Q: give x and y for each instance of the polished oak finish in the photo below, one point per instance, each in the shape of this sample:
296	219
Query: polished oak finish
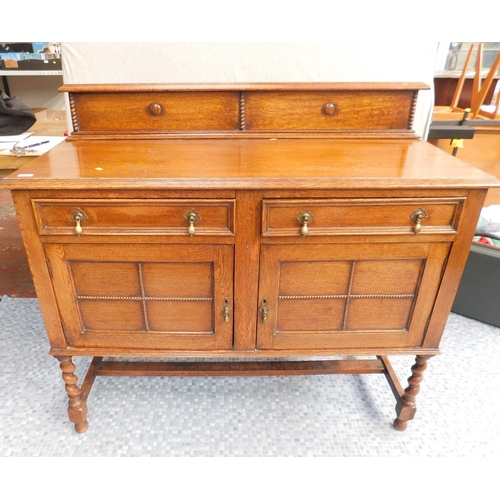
143	295
406	407
151	111
326	217
242	110
328	110
348	295
247	222
135	216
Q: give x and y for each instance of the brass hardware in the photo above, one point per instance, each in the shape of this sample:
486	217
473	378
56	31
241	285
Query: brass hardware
264	310
191	217
418	216
155	109
79	217
305	217
329	109
226	310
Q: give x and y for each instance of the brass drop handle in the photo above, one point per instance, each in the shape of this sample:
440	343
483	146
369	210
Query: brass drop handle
79	217
226	310
264	310
191	217
418	216
305	217
78	228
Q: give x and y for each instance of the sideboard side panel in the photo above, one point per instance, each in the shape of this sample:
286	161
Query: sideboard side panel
454	268
39	269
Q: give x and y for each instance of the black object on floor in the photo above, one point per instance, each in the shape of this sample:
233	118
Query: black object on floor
478	295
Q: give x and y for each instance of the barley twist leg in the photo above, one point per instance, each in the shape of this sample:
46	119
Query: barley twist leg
406	407
77	407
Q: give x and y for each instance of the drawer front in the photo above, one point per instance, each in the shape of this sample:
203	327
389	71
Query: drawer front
104	217
360	216
143	111
328	110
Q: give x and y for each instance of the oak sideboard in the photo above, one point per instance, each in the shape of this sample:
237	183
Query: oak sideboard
263	229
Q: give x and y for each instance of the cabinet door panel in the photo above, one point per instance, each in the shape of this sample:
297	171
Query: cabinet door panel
347	295
379	313
125	316
377	277
310	315
143	296
313	278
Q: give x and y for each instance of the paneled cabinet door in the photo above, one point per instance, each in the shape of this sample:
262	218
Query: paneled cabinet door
152	296
322	296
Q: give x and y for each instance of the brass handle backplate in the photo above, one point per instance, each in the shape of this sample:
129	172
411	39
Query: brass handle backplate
264	310
417	216
79	217
191	217
155	109
305	217
226	310
329	109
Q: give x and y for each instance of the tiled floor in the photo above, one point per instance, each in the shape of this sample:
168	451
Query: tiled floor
301	416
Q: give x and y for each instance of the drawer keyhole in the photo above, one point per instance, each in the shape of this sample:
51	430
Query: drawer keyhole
264	310
226	310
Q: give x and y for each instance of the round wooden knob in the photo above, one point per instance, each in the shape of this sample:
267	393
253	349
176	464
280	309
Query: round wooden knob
155	108
329	109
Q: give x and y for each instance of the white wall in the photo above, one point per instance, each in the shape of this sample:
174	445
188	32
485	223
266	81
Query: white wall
248	62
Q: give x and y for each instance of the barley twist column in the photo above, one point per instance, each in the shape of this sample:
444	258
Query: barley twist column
406	407
77	407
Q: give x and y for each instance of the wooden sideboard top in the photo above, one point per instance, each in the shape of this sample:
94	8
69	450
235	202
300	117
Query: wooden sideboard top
247	164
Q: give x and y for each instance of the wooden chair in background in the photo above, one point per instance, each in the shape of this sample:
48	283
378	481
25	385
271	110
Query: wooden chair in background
480	88
477	106
477	77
